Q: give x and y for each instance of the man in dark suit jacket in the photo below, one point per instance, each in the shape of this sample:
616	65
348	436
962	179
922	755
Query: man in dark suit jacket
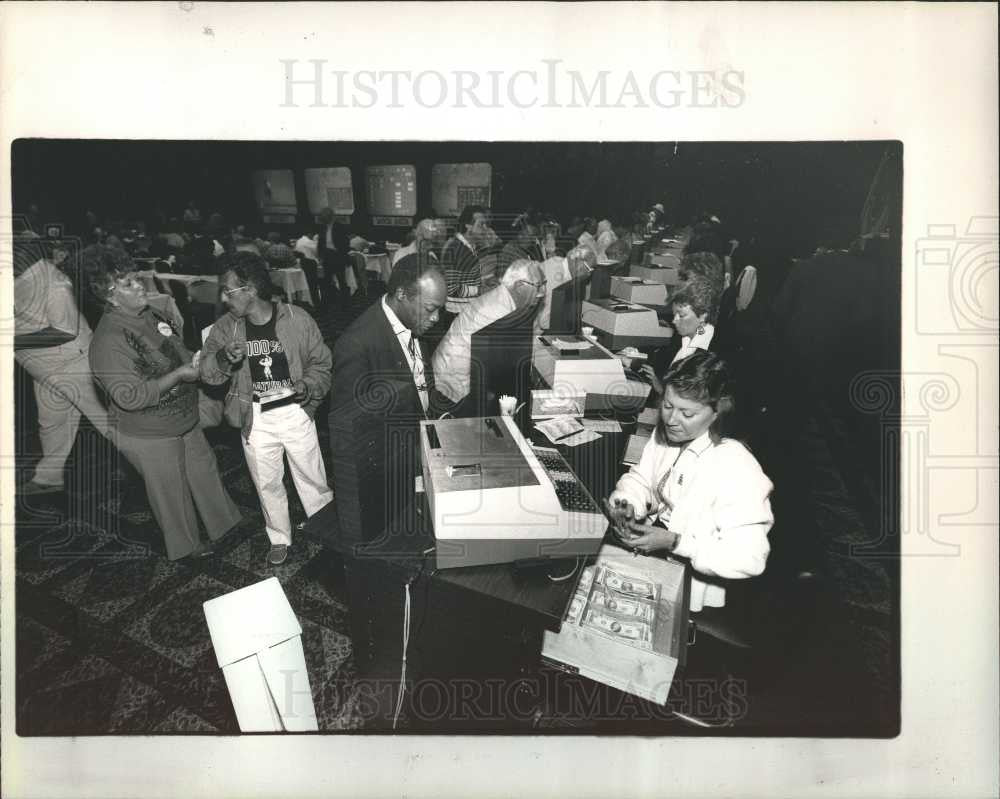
332	253
382	387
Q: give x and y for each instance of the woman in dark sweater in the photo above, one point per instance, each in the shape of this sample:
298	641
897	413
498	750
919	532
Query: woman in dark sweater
140	361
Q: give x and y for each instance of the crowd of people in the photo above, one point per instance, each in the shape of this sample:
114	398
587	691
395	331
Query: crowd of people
696	490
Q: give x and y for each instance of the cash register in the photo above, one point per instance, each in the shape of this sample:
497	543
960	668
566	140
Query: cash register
494	498
577	365
625	324
661	265
639	290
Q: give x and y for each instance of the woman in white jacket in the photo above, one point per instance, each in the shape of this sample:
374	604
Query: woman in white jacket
694	493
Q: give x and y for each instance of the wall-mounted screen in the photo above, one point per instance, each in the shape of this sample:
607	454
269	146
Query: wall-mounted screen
392	190
330	187
454	186
274	193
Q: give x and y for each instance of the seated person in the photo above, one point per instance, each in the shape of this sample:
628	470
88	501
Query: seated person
278	254
460	256
588	234
560	270
706	264
306	245
426	237
606	236
695	493
524	245
521	287
695	306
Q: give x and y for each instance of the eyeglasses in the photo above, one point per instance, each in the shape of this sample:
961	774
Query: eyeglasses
227	292
129	283
541	285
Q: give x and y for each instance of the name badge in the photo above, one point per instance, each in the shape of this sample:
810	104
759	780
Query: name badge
165	329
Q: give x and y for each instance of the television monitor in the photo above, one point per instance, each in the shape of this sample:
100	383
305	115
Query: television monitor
454	186
500	363
565	305
330	187
392	190
274	195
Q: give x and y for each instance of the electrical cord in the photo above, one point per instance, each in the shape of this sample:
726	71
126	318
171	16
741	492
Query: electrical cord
406	643
570	573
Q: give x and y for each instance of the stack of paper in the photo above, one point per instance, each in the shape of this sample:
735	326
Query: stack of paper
547	403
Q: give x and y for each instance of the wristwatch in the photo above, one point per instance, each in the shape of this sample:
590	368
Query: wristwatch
677	536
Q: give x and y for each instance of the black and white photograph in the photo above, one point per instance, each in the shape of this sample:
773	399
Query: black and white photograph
407	437
203	287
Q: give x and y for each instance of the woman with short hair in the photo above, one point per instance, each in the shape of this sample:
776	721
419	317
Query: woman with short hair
695	308
694	492
138	358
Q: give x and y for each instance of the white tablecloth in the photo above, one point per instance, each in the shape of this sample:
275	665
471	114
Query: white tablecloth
381	264
292	281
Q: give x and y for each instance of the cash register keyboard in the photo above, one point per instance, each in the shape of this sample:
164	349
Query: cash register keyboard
571	493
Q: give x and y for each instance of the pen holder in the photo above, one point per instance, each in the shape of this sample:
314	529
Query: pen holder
508	405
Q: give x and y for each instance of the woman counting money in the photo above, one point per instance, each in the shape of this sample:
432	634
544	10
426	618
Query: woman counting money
695	493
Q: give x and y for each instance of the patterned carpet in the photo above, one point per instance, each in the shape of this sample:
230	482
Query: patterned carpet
111	636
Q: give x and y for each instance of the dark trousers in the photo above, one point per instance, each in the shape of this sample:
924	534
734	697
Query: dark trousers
311	269
335	264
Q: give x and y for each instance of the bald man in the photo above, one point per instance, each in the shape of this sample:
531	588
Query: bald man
382	388
427	236
521	288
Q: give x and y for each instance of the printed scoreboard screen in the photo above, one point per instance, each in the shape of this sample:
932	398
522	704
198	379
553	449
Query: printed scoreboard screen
392	190
274	194
330	187
454	186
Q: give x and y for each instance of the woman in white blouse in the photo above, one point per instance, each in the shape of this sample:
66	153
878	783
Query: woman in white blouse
694	493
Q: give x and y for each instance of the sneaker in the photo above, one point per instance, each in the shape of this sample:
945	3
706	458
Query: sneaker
277	555
31	487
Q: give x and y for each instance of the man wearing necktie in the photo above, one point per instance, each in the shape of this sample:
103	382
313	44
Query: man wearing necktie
382	387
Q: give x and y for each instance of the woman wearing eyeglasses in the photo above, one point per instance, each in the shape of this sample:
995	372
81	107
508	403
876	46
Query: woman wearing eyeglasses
139	359
695	493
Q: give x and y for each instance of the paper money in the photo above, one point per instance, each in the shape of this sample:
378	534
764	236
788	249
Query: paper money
624	584
635	633
576	608
559	427
586	579
624	606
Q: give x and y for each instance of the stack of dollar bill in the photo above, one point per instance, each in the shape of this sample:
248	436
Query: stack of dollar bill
615	604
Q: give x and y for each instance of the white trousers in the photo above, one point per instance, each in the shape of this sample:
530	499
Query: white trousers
287	430
63	390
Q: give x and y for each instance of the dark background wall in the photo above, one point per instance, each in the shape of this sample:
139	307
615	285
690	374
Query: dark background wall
799	191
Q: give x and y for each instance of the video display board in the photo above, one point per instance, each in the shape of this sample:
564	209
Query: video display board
392	190
454	186
274	193
330	187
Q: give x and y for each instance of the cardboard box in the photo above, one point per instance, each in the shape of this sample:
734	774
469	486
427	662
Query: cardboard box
649	674
258	645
